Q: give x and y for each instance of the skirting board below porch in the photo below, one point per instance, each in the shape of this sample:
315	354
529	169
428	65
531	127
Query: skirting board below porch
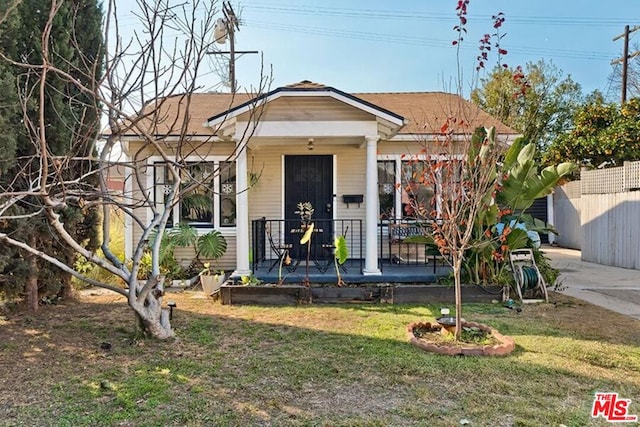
372	294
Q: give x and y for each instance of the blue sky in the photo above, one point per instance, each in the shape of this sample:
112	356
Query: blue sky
405	45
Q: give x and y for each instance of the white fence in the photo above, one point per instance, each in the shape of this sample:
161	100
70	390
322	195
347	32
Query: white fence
600	214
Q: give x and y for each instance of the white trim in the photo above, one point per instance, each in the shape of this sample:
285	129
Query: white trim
152	160
150	186
303	93
282	186
198	137
243	266
398	159
313	128
372	208
505	138
406	157
550	217
334	190
334	187
128	220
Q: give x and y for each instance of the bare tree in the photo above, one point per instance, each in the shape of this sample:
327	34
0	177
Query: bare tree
466	166
146	93
459	167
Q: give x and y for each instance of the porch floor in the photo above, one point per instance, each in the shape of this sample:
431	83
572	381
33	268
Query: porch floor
351	274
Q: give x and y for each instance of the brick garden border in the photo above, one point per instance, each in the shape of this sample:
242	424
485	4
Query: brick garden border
507	344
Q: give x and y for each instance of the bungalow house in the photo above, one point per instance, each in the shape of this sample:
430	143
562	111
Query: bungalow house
347	154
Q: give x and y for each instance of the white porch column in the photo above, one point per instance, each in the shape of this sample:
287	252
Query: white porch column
371	208
242	213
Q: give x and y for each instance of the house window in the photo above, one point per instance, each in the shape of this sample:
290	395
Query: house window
417	197
404	190
227	194
210	197
387	188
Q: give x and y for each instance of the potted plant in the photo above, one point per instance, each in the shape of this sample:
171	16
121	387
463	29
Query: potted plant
210	279
305	211
211	246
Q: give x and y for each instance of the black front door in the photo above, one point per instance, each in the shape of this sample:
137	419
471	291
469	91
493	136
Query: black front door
310	179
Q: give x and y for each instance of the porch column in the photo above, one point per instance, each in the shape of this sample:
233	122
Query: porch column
242	212
371	208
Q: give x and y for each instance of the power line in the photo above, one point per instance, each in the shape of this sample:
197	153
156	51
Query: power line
625	58
416	41
232	25
290	9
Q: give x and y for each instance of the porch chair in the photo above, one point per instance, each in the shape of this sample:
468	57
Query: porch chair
281	250
527	275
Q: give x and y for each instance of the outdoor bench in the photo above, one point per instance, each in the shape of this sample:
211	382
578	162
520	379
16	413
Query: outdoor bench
409	244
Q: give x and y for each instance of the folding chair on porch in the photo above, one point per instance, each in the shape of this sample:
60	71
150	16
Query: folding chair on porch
528	278
281	250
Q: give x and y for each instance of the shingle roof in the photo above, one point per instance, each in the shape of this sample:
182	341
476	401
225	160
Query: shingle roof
424	112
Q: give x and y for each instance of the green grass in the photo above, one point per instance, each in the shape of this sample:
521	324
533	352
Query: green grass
329	366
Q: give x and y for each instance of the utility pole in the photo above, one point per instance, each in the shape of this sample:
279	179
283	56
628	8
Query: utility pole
232	25
625	58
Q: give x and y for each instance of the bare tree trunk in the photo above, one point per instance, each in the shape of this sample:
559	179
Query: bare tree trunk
66	291
457	266
151	318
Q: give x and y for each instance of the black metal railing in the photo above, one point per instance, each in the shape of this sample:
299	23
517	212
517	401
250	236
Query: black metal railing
396	247
276	243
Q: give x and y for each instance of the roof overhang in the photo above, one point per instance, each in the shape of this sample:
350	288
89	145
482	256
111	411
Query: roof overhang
387	122
507	139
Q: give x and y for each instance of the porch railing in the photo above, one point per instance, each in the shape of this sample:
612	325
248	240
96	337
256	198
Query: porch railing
394	249
276	241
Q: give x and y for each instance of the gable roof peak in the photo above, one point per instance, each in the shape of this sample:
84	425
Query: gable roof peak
306	84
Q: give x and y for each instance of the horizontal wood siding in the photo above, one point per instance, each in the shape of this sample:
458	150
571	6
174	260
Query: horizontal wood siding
227	262
265	198
310	108
352	179
197	150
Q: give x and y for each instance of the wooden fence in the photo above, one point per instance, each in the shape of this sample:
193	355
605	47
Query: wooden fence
600	214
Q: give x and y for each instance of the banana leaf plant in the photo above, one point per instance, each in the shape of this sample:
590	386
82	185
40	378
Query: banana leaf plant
518	185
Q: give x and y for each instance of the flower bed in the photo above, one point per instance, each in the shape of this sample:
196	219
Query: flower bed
428	337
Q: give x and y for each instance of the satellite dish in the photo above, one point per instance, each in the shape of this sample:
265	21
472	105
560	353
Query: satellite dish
220	31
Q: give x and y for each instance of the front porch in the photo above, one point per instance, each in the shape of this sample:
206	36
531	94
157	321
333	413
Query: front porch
278	255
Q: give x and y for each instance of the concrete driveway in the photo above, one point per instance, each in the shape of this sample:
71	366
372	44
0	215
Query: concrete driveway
617	289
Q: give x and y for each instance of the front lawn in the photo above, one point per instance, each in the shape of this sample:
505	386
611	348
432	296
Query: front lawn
78	364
